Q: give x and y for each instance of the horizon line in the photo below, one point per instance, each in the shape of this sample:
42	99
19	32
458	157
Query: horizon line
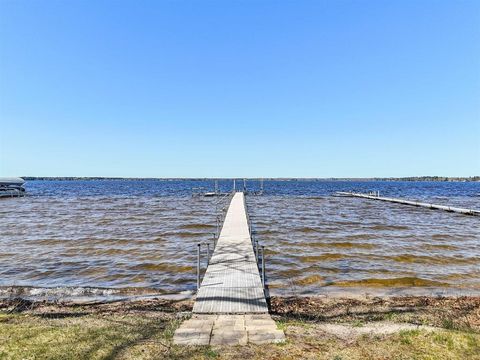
472	177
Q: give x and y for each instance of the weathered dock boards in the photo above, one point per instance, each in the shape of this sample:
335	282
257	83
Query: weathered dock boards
413	203
230	308
232	283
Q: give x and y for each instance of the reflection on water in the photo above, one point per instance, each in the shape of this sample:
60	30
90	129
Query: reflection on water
117	234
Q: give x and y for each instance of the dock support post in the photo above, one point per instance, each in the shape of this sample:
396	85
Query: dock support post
198	266
208	253
263	266
256	251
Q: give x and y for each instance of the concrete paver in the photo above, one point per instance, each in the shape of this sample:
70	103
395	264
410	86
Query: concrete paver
228	330
229	337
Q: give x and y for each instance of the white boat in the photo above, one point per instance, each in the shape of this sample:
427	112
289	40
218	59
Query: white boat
12	187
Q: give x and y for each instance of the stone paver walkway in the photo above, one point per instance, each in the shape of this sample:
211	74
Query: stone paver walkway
228	330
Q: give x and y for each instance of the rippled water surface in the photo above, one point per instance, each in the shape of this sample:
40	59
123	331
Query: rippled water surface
143	234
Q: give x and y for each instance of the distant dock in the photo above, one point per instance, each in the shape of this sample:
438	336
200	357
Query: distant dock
201	191
376	196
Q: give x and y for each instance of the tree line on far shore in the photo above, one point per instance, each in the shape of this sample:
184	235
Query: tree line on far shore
410	178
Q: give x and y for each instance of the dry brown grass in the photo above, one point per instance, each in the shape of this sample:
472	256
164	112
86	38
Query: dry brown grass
144	329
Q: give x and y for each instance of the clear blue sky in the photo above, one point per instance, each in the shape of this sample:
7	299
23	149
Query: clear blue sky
239	88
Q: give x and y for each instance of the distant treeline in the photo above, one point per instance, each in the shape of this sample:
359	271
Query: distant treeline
432	178
411	178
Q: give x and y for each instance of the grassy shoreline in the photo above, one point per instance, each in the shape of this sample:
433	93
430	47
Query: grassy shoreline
316	328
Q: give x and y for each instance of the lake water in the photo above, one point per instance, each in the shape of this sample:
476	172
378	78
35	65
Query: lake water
141	235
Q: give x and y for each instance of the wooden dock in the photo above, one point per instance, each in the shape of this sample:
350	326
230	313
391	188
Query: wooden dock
230	307
232	283
412	203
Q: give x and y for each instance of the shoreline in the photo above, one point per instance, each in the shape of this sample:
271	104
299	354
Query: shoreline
313	308
86	295
315	328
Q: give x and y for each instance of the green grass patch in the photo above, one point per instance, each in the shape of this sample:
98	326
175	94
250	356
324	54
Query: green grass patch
281	325
358	323
211	354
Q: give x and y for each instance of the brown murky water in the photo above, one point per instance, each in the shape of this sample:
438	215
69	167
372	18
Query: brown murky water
145	241
323	241
103	241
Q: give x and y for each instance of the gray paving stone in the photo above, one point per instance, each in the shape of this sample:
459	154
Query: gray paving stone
228	330
259	329
198	341
224	323
260	322
257	317
229	337
266	337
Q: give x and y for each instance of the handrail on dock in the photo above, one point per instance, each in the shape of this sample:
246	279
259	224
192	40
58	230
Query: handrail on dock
220	218
260	259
